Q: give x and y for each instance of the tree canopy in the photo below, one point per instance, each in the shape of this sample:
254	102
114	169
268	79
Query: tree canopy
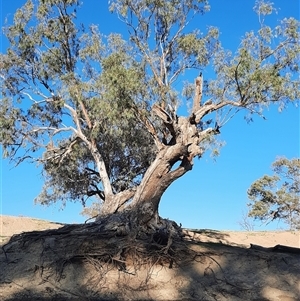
100	113
277	197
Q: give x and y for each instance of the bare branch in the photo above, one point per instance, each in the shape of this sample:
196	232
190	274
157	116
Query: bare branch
208	108
68	150
198	93
30	97
161	113
94	151
242	96
149	126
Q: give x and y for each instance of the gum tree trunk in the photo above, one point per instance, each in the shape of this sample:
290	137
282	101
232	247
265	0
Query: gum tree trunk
144	201
185	137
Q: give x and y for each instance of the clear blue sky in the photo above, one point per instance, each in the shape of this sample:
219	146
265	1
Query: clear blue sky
213	195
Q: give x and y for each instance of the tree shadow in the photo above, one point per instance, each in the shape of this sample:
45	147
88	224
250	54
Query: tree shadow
212	235
52	265
237	273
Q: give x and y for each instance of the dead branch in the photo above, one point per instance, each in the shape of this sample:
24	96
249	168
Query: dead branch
198	93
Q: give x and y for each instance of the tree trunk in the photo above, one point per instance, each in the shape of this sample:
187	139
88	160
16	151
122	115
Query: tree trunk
143	208
156	180
142	203
183	145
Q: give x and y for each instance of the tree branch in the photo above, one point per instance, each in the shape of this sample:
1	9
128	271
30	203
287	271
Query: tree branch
94	152
198	93
149	126
238	84
161	113
209	107
124	196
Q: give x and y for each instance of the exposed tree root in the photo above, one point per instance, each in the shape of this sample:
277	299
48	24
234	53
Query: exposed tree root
98	261
110	240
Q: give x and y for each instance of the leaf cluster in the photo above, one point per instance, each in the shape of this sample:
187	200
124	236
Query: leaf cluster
260	73
73	99
159	32
278	196
58	80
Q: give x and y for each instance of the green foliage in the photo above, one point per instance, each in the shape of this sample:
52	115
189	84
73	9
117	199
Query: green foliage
259	73
46	96
80	104
278	196
174	50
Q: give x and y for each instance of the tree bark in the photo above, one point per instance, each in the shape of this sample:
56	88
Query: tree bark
183	145
144	200
160	174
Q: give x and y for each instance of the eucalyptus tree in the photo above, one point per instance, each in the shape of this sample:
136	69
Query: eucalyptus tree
277	197
100	112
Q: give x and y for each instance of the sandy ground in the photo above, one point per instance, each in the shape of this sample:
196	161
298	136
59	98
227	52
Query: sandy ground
223	268
10	225
245	238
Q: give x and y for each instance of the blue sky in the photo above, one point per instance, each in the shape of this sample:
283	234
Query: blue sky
214	194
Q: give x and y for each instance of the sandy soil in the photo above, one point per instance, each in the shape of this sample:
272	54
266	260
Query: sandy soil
245	238
223	268
10	225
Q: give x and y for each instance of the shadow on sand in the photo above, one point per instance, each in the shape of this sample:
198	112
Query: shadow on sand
58	267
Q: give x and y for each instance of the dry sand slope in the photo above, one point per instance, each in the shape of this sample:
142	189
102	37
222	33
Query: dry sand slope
222	267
